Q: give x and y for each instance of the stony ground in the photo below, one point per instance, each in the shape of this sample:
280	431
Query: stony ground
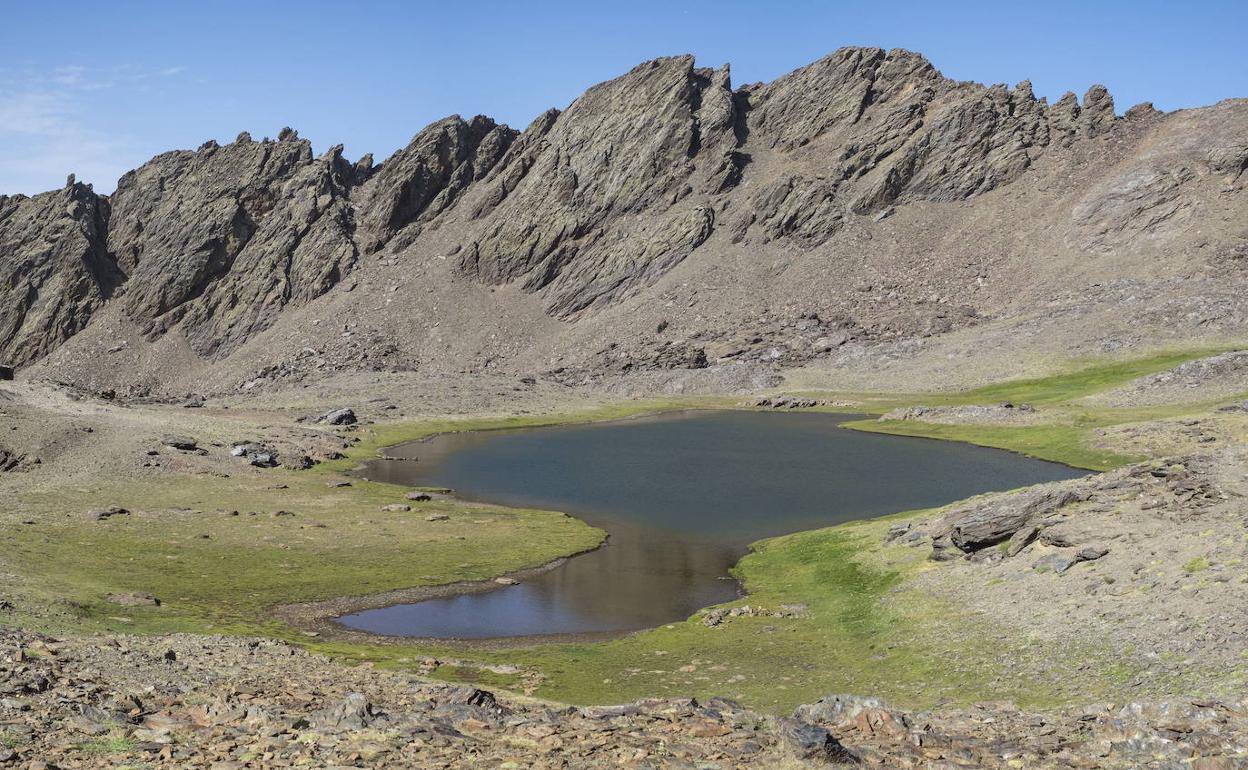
1148	564
1143	567
230	703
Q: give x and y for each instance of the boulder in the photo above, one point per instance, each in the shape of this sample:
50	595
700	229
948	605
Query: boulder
263	459
100	514
6	373
993	520
1091	553
185	443
837	710
355	712
809	742
420	497
338	417
298	462
1062	562
396	508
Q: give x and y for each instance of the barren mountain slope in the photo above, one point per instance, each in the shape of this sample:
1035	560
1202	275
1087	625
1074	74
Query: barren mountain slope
666	229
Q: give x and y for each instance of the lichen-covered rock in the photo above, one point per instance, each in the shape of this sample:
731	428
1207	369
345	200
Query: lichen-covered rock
590	206
225	237
55	270
427	177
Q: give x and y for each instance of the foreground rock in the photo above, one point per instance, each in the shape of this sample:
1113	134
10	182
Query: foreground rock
1145	559
338	417
225	703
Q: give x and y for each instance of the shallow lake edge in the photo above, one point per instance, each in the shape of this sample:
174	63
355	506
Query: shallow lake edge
320	619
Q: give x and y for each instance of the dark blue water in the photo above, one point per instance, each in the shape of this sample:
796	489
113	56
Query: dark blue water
682	495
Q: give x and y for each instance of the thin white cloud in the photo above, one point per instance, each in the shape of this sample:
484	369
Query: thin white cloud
68	76
34	112
46	133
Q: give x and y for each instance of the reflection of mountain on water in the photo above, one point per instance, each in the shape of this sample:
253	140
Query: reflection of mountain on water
640	580
681	495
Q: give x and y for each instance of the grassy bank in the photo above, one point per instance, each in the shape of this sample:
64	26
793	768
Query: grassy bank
862	627
858	629
1069	431
218	571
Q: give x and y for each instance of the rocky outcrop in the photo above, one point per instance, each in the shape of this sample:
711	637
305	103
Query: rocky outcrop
300	250
591	205
996	519
427	177
54	269
224	237
886	127
595	201
1151	197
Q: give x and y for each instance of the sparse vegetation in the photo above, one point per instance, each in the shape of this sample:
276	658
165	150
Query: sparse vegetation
1199	564
337	544
114	743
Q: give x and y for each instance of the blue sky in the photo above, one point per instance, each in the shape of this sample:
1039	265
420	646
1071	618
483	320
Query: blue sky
97	88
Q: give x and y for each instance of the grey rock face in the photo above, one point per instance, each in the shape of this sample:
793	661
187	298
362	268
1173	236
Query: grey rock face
587	206
225	237
590	203
982	524
299	250
54	269
427	177
1149	198
888	127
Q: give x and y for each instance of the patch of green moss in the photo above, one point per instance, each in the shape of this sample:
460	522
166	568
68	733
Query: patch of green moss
1199	564
114	743
8	740
859	628
218	572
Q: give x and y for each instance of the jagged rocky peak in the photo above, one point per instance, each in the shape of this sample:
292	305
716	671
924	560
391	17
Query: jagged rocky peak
835	92
596	201
226	236
298	250
54	268
179	220
427	177
585	207
867	129
1097	112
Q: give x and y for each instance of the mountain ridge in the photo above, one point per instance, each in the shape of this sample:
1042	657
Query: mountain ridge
597	204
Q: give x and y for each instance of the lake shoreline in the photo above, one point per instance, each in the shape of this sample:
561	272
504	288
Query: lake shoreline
811	437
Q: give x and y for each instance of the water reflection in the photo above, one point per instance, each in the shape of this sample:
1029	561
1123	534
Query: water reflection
681	496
